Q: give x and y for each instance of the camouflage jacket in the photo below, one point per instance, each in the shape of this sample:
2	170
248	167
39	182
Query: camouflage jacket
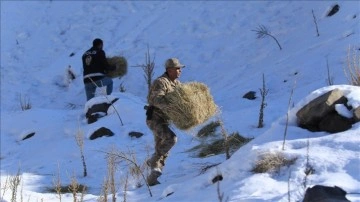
159	88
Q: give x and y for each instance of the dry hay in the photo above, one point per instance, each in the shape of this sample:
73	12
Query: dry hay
189	105
121	66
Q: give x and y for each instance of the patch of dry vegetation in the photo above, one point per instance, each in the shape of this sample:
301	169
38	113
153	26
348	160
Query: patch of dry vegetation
272	162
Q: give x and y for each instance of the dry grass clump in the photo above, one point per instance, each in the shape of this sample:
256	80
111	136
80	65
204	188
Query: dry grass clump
189	105
272	162
206	149
121	65
209	129
66	188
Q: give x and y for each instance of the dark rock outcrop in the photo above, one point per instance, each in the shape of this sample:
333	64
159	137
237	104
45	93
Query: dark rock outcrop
320	114
251	95
335	8
135	134
320	193
28	135
101	132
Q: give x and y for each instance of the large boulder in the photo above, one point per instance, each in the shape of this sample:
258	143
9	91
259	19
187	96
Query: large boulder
320	193
320	114
101	132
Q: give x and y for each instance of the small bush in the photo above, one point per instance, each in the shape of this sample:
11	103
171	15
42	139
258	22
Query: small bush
66	189
262	32
148	68
235	141
272	162
209	129
25	103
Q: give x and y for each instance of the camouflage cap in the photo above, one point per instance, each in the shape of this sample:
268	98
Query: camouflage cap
173	63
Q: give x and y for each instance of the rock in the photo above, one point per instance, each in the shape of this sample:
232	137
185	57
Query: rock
320	193
311	114
333	10
217	178
135	134
334	123
28	136
251	95
101	132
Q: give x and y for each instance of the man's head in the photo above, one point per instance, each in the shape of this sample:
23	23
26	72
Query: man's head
97	43
173	68
173	63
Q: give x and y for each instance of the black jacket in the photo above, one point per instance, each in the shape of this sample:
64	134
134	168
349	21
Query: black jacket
95	64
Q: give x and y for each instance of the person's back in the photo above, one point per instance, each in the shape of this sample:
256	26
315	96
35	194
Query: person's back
94	62
95	66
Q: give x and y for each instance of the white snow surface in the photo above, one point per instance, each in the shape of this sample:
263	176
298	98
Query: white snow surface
217	43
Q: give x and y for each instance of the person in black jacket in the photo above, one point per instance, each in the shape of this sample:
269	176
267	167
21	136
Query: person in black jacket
95	67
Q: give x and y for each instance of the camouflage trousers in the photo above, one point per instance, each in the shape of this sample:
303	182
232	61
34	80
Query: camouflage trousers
164	139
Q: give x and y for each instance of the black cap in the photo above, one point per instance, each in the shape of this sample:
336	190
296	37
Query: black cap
97	42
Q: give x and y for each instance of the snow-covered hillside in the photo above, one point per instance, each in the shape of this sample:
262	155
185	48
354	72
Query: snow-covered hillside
217	43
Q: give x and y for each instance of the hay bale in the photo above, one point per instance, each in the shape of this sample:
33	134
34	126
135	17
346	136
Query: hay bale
189	105
120	64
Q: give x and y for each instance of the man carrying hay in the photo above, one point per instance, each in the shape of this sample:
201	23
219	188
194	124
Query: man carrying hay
95	67
156	119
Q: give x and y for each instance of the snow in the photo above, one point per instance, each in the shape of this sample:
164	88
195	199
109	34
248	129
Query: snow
214	39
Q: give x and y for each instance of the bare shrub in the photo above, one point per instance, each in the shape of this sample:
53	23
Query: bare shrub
272	162
330	79
262	32
104	190
126	184
148	68
289	188
122	88
206	166
74	187
25	103
14	185
315	21
5	186
352	70
111	167
57	184
263	91
135	168
309	169
69	76
220	194
226	139
287	116
79	137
